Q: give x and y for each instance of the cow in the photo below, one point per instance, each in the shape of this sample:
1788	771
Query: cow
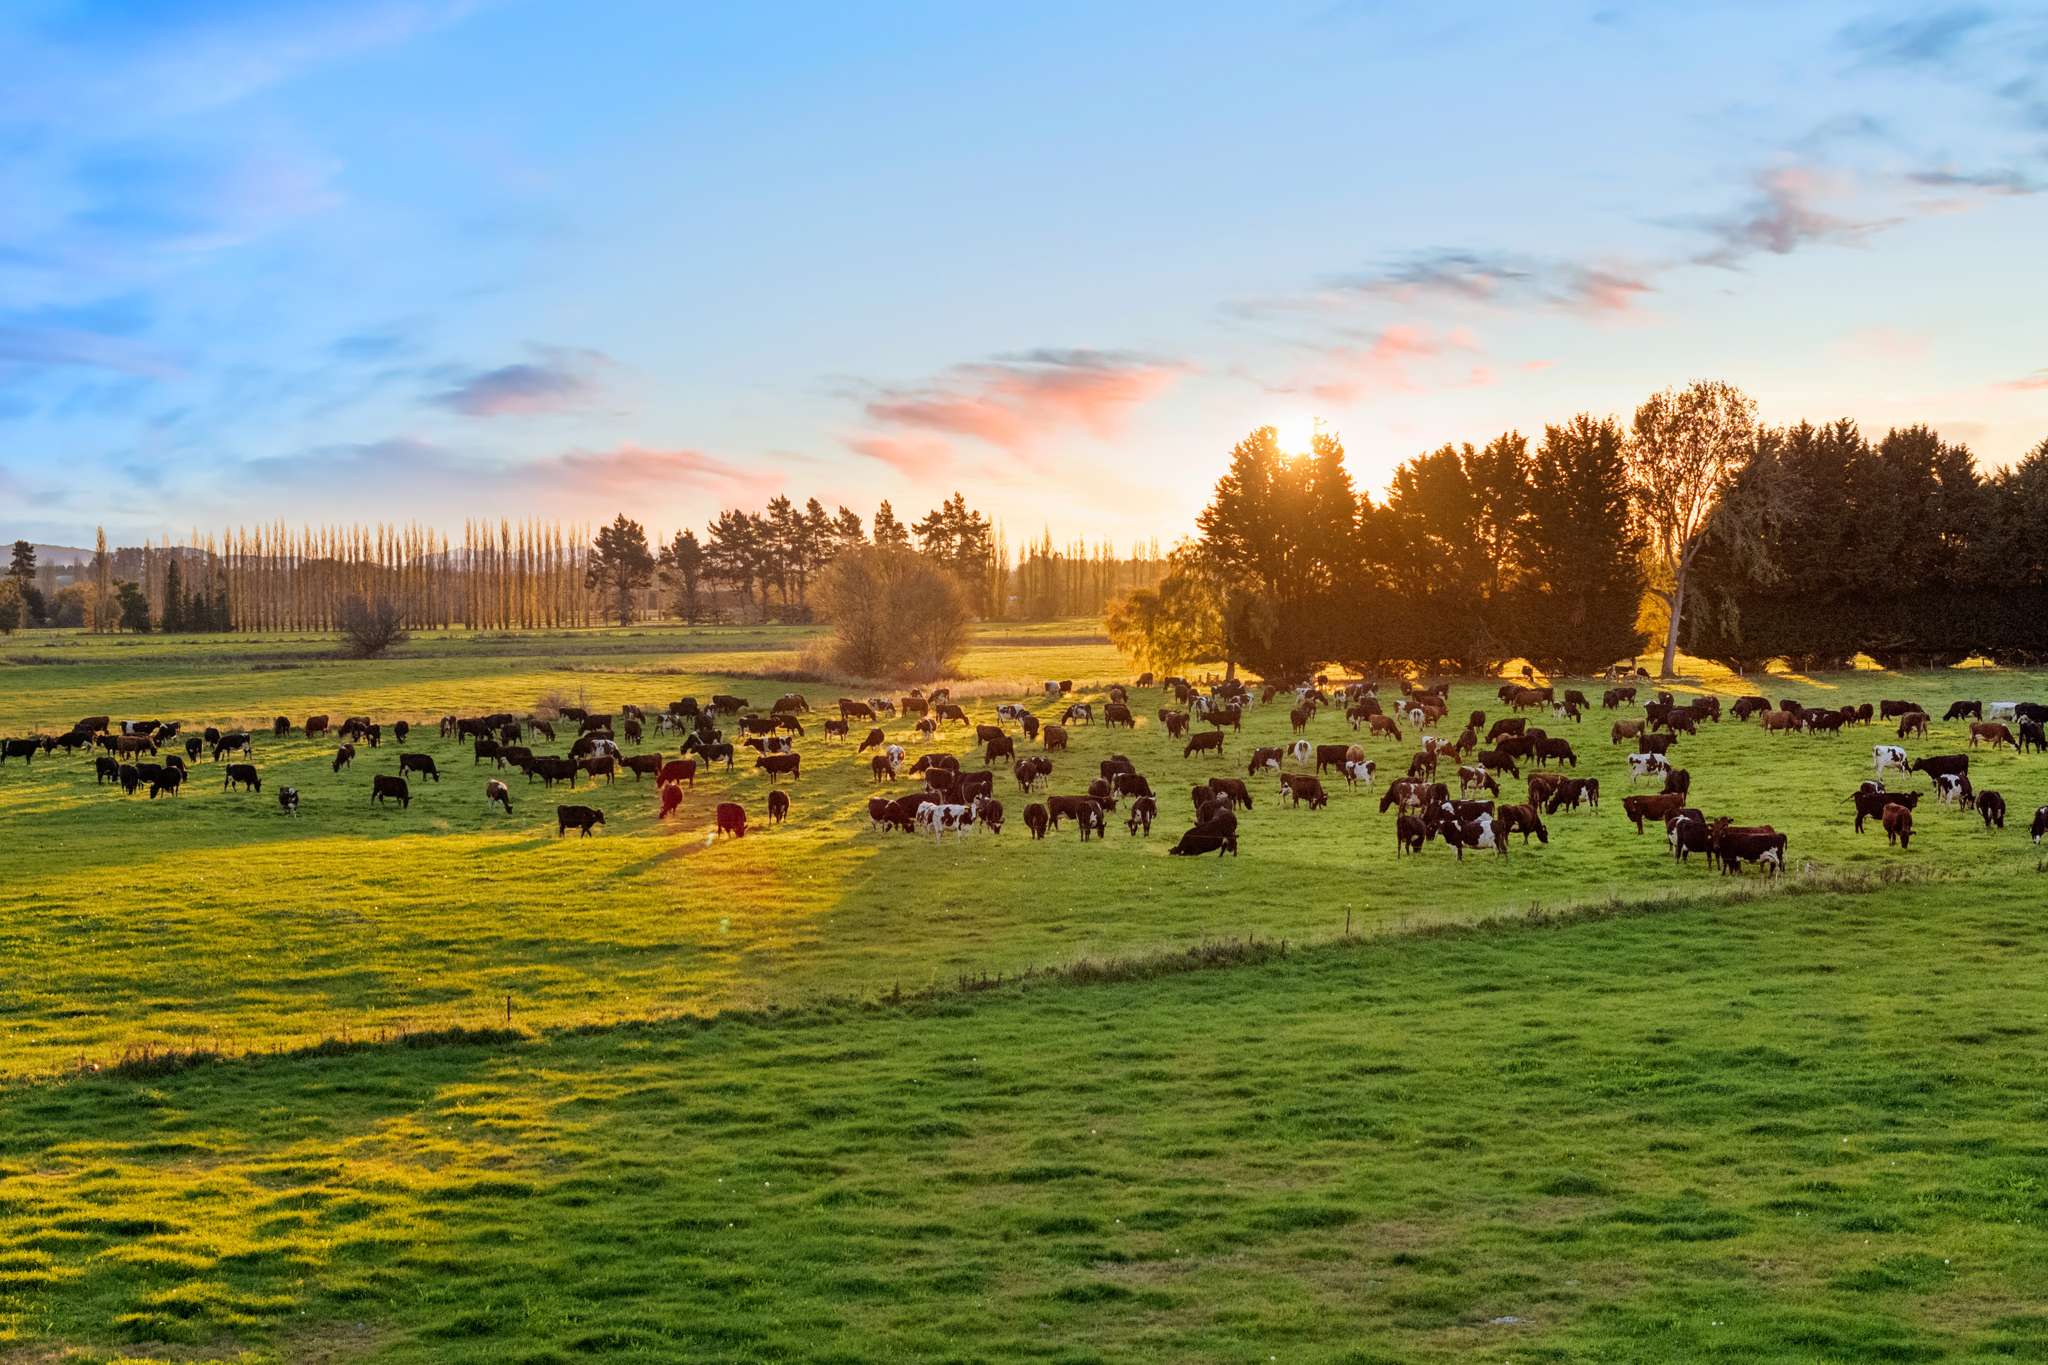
243	774
423	764
1561	750
1913	725
777	764
1871	804
1641	808
580	818
1296	788
1522	820
1234	788
1883	756
1476	833
1940	766
1144	810
1053	737
1209	742
383	785
1889	710
496	793
1036	818
1132	784
167	777
1760	845
1898	827
105	770
1357	770
1383	725
875	739
1779	722
1176	722
2034	736
1624	729
1498	761
1991	805
1336	755
778	806
1678	780
1117	713
677	771
1953	789
1410	834
1474	777
1573	792
1510	725
401	729
2040	824
1959	710
1220	716
1199	841
1993	733
1647	765
711	753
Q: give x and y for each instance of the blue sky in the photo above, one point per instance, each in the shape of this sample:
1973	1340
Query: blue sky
434	259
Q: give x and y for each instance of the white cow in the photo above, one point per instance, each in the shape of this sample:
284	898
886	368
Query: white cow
1953	789
1647	765
894	753
2001	710
1884	756
1302	752
1356	771
937	819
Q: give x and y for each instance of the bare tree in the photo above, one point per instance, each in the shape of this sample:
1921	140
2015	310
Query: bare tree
371	626
1688	445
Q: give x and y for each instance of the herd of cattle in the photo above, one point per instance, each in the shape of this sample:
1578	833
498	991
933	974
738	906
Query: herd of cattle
1449	790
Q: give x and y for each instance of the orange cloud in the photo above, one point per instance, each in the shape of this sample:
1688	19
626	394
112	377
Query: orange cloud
1016	403
915	457
2037	380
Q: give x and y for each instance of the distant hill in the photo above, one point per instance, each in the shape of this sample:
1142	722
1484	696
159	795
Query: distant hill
62	556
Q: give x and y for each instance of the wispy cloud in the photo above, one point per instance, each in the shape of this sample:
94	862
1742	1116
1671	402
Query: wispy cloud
1921	38
1017	402
557	380
2027	383
1791	207
1501	278
913	456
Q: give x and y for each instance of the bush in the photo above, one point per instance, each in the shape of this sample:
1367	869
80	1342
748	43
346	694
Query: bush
371	626
895	615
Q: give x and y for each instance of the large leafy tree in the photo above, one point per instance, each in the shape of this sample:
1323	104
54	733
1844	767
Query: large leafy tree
889	532
733	553
1583	547
620	563
961	540
682	570
1688	447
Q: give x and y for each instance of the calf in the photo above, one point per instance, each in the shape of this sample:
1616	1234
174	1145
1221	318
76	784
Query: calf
1993	733
1871	804
1898	827
243	774
1991	805
383	785
2040	823
580	818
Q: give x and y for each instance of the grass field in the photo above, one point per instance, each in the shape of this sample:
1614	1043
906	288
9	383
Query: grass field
1641	1112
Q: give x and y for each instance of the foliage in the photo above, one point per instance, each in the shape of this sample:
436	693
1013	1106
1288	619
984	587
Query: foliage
893	614
1688	447
133	605
1164	629
960	540
620	563
682	570
371	627
13	611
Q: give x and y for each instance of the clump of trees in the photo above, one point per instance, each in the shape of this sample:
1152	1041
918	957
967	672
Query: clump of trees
895	614
1477	555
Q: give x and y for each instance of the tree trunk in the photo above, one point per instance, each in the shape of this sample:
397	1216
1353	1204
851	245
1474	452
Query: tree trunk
1671	630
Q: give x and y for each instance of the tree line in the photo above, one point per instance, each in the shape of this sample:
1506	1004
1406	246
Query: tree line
1752	542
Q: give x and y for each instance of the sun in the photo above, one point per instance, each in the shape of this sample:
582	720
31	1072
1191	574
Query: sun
1295	432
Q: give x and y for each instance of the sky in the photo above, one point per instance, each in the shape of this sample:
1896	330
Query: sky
427	260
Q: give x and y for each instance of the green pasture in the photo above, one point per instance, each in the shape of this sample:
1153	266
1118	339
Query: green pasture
827	1094
213	920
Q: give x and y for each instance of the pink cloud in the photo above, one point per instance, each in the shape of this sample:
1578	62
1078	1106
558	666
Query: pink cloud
634	470
1016	403
913	456
1349	373
2037	380
1536	366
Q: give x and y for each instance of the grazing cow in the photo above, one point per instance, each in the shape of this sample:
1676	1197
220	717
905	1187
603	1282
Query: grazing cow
1993	733
1209	742
2040	824
711	753
1144	811
281	727
678	771
1572	792
1871	804
1336	755
423	764
344	756
1295	788
1884	756
1476	833
1036	818
1176	722
1197	842
1678	780
580	818
1410	834
1913	724
1522	820
192	748
487	748
1888	710
105	770
243	774
1940	766
1474	777
2033	735
1131	784
1053	737
603	765
1624	729
1548	749
1641	808
1646	765
1655	744
1541	785
1266	757
1004	747
2002	710
383	785
1991	805
972	785
672	798
1760	845
777	764
1299	718
837	729
401	729
1383	725
1953	789
496	793
1898	827
1752	705
1498	761
1958	710
1779	722
165	778
1117	713
875	739
1357	770
1233	788
288	800
1510	725
1068	808
778	806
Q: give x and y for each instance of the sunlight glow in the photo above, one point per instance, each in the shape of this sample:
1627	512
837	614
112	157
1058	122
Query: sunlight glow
1296	431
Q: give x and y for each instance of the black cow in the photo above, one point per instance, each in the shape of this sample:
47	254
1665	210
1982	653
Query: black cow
582	818
423	764
243	774
384	785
